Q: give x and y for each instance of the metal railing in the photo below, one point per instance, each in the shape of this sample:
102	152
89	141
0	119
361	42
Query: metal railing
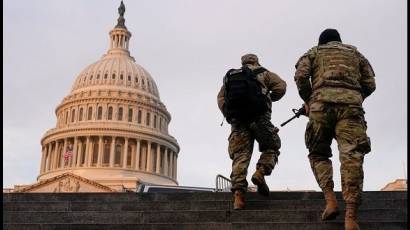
222	184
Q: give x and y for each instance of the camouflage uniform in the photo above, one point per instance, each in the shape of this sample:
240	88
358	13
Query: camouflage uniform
334	79
243	135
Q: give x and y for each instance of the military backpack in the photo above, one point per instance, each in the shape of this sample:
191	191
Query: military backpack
244	100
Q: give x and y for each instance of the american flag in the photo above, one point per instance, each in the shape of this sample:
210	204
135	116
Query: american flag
67	155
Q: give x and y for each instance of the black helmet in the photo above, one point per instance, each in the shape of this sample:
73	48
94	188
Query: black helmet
329	35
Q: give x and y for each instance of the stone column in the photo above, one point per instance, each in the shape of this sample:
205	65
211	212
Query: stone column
124	160
48	161
166	161
64	150
125	107
171	164
80	153
176	166
100	151
43	156
174	162
158	167
55	161
143	114
87	152
137	155
132	156
49	156
51	164
68	119
75	152
112	152
149	163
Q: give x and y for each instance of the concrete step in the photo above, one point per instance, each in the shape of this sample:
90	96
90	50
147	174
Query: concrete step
190	205
99	197
129	217
210	226
194	211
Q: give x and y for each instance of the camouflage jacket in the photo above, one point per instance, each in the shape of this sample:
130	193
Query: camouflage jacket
334	72
270	82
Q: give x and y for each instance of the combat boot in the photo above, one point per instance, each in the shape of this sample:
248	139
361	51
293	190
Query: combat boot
331	210
351	217
238	200
259	180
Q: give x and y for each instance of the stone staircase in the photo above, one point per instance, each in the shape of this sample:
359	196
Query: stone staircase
197	211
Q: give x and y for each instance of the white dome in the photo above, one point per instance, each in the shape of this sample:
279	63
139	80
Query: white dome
118	72
113	123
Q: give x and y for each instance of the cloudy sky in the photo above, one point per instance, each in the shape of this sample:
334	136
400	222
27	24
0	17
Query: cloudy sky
187	46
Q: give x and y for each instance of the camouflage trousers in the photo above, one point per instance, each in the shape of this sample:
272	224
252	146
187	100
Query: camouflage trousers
347	125
241	143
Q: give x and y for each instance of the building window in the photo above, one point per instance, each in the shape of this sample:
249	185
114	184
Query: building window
98	76
83	154
143	82
160	123
69	149
121	77
155	121
95	154
139	116
147	122
120	111
129	115
161	163
105	76
154	158
136	79
90	113
106	155
110	113
66	117
117	156
129	78
113	76
73	115
99	113
91	77
129	152
80	115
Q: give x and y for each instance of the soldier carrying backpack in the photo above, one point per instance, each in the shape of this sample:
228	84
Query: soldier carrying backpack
245	99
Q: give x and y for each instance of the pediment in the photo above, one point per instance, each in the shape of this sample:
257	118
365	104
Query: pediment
67	182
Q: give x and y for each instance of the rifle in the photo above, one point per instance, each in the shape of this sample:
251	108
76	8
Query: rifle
297	113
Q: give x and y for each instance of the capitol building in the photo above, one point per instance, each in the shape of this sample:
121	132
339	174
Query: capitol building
112	128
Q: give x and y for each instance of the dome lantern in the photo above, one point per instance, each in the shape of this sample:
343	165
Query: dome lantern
120	36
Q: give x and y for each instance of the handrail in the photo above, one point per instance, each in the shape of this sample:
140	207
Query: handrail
222	184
